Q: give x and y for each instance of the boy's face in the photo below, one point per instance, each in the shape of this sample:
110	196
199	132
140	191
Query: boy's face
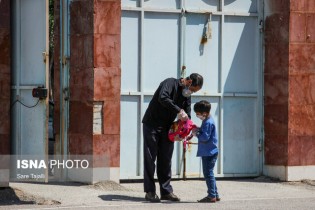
202	114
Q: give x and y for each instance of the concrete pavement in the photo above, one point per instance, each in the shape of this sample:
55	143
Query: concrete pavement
259	193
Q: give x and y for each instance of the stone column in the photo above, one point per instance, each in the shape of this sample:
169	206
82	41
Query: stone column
301	134
95	84
5	89
289	107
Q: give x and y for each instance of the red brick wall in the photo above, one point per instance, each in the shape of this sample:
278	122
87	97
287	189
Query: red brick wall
5	77
276	83
94	77
301	142
81	77
107	76
290	83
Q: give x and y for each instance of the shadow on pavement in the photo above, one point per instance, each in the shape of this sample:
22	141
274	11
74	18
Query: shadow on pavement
8	196
135	199
120	198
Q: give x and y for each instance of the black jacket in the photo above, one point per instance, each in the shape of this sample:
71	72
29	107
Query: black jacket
167	101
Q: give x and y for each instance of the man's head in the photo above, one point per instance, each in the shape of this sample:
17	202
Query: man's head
194	82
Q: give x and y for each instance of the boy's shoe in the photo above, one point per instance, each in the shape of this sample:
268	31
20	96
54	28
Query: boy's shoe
170	197
152	197
218	198
208	200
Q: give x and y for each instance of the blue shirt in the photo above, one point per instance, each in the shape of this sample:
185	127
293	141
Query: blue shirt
207	138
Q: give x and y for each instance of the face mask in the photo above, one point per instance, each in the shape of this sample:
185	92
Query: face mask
186	92
201	117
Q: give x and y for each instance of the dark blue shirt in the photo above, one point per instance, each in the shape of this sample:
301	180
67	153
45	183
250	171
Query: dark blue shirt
207	138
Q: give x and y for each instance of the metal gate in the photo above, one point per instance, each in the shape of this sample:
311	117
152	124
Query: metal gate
30	70
159	37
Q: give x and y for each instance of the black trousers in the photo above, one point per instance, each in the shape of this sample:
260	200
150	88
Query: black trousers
157	147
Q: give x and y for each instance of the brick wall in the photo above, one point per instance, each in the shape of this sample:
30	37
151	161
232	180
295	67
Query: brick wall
5	88
301	141
289	83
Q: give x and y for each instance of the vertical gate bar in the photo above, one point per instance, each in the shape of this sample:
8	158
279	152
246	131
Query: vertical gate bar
182	36
181	72
61	83
18	73
260	10
221	90
47	86
141	89
64	67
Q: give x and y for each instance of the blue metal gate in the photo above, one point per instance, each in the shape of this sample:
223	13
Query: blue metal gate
159	37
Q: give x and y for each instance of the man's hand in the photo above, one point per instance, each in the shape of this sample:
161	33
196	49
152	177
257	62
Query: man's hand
177	138
182	115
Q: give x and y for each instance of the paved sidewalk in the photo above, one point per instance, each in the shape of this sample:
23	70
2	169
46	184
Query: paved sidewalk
259	193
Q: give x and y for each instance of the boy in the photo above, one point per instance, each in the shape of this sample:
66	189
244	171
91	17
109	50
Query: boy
207	148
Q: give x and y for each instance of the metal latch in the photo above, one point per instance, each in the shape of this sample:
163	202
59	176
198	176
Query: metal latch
45	55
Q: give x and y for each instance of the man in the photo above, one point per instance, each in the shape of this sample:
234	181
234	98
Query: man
171	99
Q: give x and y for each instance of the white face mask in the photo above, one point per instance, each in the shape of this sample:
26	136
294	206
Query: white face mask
186	92
201	117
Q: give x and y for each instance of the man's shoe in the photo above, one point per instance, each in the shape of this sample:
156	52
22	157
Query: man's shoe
208	200
170	197
152	197
218	198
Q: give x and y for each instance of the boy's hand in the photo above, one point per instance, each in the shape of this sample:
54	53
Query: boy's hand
194	131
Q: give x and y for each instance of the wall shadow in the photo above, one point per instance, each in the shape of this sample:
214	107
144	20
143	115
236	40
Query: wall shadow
8	196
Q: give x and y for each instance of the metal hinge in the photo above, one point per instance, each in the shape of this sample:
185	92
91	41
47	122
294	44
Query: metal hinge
65	59
66	94
260	145
261	26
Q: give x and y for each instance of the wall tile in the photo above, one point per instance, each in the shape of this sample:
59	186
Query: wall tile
81	118
81	51
297	27
276	89
277	28
106	83
302	89
278	6
310	5
302	120
301	57
111	116
5	85
107	50
80	144
276	59
301	150
276	119
310	27
4	144
108	145
297	5
5	46
81	13
107	18
4	6
276	147
81	84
